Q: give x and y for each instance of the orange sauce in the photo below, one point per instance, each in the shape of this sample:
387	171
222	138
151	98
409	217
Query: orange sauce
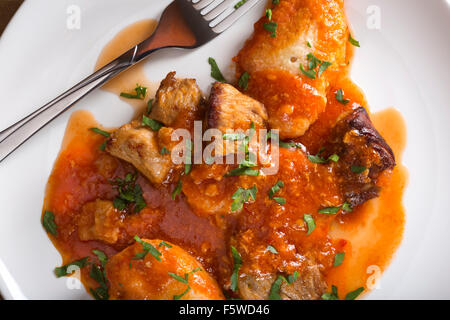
375	230
369	236
127	80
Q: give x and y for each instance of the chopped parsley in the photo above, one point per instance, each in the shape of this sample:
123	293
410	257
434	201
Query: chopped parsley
271	249
152	124
177	190
164	151
276	286
243	81
242	171
188	158
308	44
277	187
103	133
98	274
239	4
48	221
338	259
233	136
318	159
237	262
340	97
333	210
163	243
102	257
308	218
148	248
140	93
269	14
99	131
280	200
241	196
333	295
66	270
329	210
358	169
130	194
353	41
354	294
272	28
313	63
215	71
275	1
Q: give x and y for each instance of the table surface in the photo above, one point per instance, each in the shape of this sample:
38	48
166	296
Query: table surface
7	10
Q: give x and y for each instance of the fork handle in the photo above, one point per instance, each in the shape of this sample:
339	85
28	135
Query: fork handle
12	137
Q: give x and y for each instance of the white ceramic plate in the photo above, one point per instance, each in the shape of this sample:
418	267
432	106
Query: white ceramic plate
405	63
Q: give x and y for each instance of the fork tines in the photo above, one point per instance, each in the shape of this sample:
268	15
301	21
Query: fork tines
221	14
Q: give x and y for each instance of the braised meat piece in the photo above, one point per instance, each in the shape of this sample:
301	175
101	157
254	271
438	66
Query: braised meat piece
99	220
231	109
178	102
310	285
363	153
141	147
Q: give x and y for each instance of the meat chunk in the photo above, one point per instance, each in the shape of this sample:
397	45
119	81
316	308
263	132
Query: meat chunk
308	32
363	153
99	220
140	146
310	285
154	277
230	109
178	102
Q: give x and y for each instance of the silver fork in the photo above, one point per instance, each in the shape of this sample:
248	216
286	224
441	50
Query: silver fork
184	24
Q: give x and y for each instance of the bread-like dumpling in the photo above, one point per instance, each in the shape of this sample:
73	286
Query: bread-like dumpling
158	270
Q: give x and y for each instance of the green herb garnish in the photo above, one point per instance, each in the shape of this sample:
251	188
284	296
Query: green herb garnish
354	294
215	71
243	81
177	190
63	271
329	210
241	196
353	41
140	93
152	124
340	97
188	158
271	249
333	295
148	248
130	193
358	169
163	243
237	261
272	28
164	151
313	63
338	259
269	14
239	4
48	221
308	218
99	131
277	187
280	200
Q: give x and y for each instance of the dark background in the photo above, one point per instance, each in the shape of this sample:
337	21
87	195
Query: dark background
7	10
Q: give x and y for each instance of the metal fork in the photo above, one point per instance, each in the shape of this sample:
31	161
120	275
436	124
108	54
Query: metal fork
184	24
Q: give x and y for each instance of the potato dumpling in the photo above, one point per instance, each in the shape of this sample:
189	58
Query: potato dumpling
158	270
